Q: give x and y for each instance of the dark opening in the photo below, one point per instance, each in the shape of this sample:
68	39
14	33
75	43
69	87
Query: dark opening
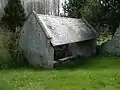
62	51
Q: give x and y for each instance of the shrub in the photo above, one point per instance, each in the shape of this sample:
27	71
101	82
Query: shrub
14	15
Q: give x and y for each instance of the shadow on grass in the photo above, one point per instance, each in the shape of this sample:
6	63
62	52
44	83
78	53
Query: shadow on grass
72	64
95	63
78	62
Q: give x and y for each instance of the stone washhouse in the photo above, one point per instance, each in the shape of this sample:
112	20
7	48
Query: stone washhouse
45	39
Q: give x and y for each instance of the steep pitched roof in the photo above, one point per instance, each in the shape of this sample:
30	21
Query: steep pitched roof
62	30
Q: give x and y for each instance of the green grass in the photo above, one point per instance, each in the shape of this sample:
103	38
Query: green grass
98	73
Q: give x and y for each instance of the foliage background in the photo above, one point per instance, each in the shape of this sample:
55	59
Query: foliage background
103	15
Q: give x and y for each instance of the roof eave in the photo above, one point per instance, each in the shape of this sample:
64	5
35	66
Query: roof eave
54	45
90	26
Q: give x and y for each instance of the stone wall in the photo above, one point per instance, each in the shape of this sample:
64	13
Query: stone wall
36	45
112	47
86	48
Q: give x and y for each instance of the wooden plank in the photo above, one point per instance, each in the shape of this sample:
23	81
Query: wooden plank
65	59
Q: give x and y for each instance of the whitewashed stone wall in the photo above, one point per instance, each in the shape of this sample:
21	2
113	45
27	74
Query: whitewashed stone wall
85	48
37	48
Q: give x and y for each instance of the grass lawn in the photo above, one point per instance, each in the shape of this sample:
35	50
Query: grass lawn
99	73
